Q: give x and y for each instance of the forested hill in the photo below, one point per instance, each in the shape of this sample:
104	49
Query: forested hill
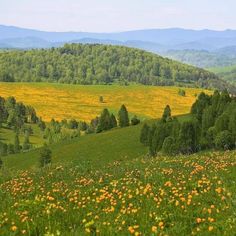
100	64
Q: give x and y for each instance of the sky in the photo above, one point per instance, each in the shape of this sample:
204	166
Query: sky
118	15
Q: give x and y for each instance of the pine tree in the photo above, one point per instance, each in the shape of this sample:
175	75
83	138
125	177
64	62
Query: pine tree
113	121
123	117
167	113
26	143
17	143
45	156
104	121
144	136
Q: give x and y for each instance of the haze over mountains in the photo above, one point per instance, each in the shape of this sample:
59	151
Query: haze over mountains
201	48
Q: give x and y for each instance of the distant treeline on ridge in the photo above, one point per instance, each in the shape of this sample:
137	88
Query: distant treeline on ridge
100	64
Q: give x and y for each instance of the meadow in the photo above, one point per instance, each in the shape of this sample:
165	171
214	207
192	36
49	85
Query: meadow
81	102
183	195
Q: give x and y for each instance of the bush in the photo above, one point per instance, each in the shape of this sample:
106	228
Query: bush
135	121
182	92
45	156
1	163
224	140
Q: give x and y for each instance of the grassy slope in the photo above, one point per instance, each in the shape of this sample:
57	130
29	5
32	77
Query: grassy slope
8	135
82	102
99	149
227	73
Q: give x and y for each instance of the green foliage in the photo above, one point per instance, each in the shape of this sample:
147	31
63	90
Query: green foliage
123	117
224	140
135	120
97	64
17	144
166	114
1	163
213	125
182	92
144	136
169	146
45	156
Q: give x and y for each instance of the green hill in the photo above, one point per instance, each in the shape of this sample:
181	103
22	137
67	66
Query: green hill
117	144
99	64
227	73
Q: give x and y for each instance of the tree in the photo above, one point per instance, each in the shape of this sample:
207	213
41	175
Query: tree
167	113
182	92
17	143
26	143
144	136
224	140
1	163
135	120
188	137
101	100
123	117
45	156
169	147
113	121
104	121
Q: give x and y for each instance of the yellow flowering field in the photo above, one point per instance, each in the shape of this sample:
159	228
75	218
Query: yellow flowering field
81	102
191	195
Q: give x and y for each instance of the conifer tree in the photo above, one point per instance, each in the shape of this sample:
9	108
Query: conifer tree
45	156
167	113
113	121
17	143
123	117
144	136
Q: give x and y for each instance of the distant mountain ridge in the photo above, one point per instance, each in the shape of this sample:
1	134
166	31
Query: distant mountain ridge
161	39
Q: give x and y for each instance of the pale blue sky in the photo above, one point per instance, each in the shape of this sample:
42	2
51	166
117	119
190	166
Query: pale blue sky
118	15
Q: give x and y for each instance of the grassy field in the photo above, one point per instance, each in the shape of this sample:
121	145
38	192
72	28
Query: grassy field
191	195
60	101
8	135
227	73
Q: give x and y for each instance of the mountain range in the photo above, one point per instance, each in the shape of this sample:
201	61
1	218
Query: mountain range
202	48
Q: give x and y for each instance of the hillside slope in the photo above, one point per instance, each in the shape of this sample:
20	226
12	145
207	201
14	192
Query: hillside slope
100	64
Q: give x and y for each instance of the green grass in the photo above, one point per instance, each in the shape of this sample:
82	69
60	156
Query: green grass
8	135
183	195
99	149
103	184
227	73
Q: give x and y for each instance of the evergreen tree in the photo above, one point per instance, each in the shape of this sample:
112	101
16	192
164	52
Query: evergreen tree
123	117
17	143
144	136
113	121
1	163
224	140
104	121
167	113
45	156
26	143
169	146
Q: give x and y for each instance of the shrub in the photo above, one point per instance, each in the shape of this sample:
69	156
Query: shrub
45	156
1	163
182	92
135	121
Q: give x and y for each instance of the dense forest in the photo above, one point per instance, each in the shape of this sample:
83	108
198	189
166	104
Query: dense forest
212	126
100	64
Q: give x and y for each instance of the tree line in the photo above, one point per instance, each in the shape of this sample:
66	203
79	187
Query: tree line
212	125
98	64
21	118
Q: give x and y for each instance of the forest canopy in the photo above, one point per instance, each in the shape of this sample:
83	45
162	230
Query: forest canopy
99	64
